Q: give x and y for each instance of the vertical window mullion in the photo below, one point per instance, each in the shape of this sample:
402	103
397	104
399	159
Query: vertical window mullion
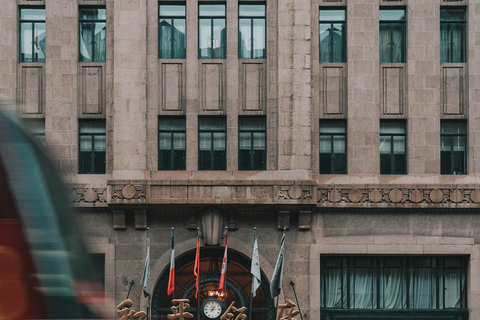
172	47
92	155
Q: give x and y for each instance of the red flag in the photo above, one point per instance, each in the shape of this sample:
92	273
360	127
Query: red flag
171	278
196	269
221	286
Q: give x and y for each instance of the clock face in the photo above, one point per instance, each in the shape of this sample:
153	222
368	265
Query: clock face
212	309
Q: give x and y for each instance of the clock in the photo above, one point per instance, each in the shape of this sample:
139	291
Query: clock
211	309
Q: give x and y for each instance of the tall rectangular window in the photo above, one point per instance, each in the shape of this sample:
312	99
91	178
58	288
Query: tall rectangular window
392	36
453	147
93	36
332	35
252	143
172	41
212	35
333	140
171	143
452	35
251	35
212	143
32	34
92	146
393	142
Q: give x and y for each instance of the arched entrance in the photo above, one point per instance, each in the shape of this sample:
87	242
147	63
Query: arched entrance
238	284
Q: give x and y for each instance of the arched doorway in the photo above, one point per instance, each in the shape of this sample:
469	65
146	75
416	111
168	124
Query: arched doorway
238	284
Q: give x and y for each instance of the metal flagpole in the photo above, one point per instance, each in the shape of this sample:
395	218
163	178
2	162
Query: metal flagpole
295	293
198	296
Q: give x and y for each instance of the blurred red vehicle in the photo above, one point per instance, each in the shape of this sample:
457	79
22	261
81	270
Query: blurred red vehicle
45	269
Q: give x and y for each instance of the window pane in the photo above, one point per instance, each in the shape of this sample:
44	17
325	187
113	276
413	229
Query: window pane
165	141
245	141
252	10
399	144
422	289
325	43
332	15
393	293
362	288
338	42
385	145
339	144
205	38
99	163
99	143
453	285
92	127
258	38
245	32
205	141
332	127
92	42
92	14
259	141
171	123
179	141
218	141
32	14
86	143
251	124
172	10
452	15
219	38
392	15
179	39
210	10
333	288
390	127
212	124
453	127
325	144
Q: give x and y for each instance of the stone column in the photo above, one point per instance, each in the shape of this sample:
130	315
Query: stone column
363	86
294	92
130	104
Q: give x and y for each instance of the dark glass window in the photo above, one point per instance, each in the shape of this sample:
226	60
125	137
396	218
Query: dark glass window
93	41
172	42
453	147
393	283
32	34
332	35
212	143
212	36
333	140
171	143
251	34
392	36
393	144
252	143
92	146
452	35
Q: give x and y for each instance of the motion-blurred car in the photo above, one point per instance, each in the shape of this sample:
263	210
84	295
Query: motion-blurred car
44	267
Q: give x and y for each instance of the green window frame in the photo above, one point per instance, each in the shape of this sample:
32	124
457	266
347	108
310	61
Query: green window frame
92	34
172	39
332	35
251	31
32	34
171	143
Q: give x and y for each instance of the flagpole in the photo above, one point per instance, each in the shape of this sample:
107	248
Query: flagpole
198	277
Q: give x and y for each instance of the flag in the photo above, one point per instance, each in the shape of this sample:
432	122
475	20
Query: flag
145	283
221	286
196	269
171	277
276	283
255	268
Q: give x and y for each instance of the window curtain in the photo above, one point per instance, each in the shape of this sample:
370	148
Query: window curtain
333	289
453	287
452	42
391	43
422	289
393	293
362	292
92	42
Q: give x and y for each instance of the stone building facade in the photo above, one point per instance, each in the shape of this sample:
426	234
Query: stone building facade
404	180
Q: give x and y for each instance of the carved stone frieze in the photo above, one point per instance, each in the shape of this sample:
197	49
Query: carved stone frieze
295	192
131	193
399	195
79	196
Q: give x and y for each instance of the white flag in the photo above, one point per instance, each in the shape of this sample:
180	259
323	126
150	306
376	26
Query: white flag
145	283
277	277
255	269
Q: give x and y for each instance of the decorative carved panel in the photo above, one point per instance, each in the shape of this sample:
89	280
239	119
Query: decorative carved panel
332	90
393	90
91	90
253	86
453	90
172	88
32	89
213	87
398	195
